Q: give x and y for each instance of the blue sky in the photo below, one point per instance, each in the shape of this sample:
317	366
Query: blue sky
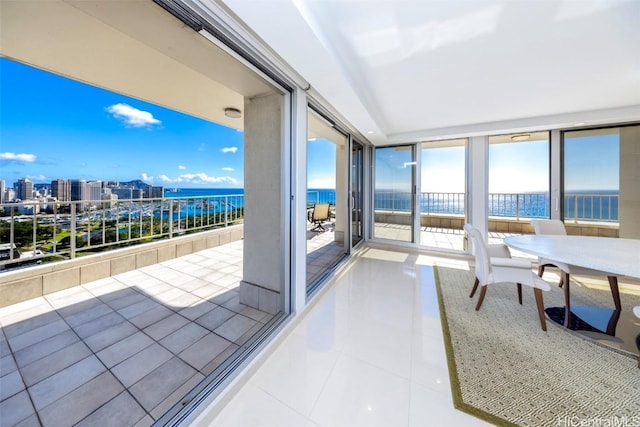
52	127
321	164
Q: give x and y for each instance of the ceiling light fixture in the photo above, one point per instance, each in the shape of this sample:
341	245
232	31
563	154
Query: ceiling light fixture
521	137
232	113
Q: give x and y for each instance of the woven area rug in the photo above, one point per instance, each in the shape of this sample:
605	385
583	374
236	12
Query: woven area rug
506	370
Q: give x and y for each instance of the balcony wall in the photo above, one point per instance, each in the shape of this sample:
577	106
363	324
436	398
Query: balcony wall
503	225
31	282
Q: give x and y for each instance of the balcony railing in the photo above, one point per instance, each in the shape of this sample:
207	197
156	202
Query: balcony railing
321	196
577	206
46	231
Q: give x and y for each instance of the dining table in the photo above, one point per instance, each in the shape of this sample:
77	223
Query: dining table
613	256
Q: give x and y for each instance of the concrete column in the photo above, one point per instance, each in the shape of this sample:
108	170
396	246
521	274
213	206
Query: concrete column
262	286
342	185
629	201
299	190
478	182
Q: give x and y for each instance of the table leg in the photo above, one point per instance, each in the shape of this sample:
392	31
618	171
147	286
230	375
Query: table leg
567	300
613	283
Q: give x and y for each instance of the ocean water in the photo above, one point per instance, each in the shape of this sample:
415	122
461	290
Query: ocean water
596	205
201	192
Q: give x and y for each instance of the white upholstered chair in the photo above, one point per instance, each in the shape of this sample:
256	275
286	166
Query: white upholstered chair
490	271
498	250
556	227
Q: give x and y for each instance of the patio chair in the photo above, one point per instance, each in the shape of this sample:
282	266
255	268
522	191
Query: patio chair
491	271
321	213
556	227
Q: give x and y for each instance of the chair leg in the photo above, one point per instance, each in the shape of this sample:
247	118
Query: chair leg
483	292
561	279
475	286
519	293
540	270
540	304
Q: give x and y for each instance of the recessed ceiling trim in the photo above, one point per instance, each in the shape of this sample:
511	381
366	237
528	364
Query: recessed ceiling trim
526	125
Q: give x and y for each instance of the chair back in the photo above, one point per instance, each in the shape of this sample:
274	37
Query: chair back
320	211
483	265
549	226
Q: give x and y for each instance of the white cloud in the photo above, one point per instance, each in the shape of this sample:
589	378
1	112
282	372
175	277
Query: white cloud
228	169
181	167
203	178
132	116
229	149
22	157
190	178
37	177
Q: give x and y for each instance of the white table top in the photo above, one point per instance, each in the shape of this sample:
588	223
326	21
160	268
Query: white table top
618	256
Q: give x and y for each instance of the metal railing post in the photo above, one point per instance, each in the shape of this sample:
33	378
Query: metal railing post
226	211
72	237
34	231
575	208
170	219
11	233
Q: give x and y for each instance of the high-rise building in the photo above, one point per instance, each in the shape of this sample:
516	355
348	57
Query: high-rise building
24	189
61	190
123	193
94	190
2	190
153	192
78	189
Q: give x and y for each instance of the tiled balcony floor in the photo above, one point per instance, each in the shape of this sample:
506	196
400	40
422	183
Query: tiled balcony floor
323	252
123	350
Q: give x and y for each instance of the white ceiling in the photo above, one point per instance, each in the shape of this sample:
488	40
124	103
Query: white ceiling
407	70
395	70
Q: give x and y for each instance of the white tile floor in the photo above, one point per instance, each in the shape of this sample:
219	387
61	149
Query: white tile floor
147	337
369	353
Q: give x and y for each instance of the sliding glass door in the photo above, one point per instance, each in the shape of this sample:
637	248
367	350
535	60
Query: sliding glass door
394	193
357	181
601	189
442	194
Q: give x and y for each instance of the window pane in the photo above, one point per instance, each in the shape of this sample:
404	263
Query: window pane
518	181
393	201
592	176
442	197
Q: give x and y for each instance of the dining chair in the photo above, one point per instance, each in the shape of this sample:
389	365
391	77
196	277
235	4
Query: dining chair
498	250
556	227
491	271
